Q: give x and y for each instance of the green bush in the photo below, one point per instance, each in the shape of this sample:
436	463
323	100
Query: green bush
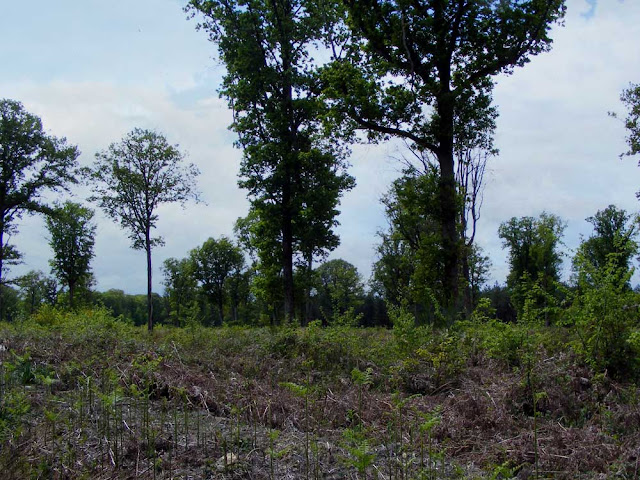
604	312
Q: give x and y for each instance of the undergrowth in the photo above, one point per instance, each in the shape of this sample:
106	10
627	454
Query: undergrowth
86	395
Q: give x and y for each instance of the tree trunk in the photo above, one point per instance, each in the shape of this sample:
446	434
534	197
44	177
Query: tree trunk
287	265
1	271
445	107
72	288
290	158
449	219
307	291
149	283
220	309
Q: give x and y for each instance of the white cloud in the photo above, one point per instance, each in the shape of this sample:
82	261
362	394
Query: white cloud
94	81
92	115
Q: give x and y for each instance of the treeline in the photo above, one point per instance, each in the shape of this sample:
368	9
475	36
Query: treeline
305	80
219	282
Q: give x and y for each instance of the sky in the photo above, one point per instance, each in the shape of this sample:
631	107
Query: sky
94	70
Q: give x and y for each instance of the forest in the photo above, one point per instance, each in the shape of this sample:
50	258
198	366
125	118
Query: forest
262	357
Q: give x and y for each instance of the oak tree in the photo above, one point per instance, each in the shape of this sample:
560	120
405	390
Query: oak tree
270	83
131	178
422	70
32	164
72	238
213	264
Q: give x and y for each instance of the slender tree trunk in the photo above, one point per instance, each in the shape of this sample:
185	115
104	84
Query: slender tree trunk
1	271
307	291
149	282
220	308
283	19
72	288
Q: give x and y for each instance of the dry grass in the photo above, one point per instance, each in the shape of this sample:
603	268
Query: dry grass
116	403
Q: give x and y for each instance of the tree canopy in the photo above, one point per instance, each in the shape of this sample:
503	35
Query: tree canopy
33	164
422	71
72	238
213	264
131	178
534	256
271	87
631	99
612	244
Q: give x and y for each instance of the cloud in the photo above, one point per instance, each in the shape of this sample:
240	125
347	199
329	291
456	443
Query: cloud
92	115
558	147
96	80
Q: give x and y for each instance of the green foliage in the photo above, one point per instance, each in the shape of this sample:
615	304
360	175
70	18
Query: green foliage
131	308
33	164
604	311
534	261
180	290
483	312
212	265
441	56
131	178
411	261
339	291
404	326
14	405
36	290
615	234
631	99
11	305
410	264
272	89
72	240
359	454
540	300
511	343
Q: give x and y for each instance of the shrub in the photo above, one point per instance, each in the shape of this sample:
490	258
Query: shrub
604	313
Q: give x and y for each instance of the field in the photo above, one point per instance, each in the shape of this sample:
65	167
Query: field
84	395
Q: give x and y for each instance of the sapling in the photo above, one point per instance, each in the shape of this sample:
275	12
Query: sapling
431	420
362	380
357	446
302	392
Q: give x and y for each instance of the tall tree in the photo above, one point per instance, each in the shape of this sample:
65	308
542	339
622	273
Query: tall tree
181	289
612	244
265	46
321	187
534	256
470	167
132	178
422	70
32	164
410	266
72	238
36	289
260	236
214	263
339	288
394	268
631	99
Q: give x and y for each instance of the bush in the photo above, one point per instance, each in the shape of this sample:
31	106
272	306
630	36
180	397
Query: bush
604	312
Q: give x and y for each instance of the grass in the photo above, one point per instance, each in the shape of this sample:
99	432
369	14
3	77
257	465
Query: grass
88	396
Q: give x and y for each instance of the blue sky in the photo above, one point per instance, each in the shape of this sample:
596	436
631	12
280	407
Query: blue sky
93	70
